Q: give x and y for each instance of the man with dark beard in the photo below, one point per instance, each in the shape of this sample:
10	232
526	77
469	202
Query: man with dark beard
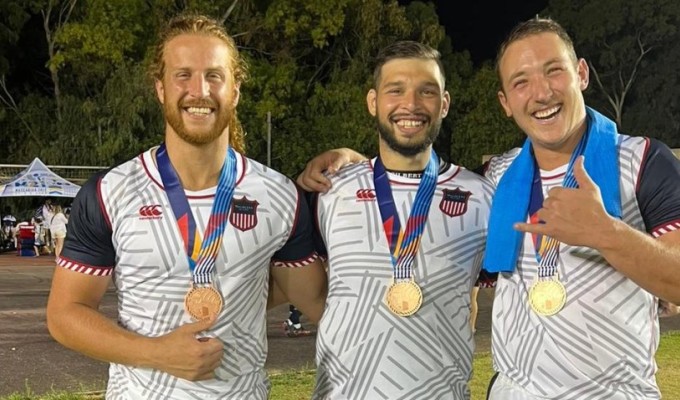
189	230
396	323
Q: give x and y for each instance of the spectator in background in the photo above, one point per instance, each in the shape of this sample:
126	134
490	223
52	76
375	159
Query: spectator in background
58	229
39	235
9	223
292	327
46	214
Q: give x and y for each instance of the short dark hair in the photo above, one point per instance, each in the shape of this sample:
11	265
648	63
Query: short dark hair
532	27
406	49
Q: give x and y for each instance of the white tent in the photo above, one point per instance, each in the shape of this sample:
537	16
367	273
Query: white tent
38	180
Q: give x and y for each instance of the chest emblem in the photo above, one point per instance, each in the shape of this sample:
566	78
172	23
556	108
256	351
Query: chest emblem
243	215
454	202
153	211
365	195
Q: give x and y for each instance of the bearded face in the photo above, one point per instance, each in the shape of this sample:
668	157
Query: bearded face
409	104
410	147
197	130
197	91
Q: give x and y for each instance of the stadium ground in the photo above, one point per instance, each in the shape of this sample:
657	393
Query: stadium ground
30	358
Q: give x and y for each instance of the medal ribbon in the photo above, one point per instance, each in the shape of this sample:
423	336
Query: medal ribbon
404	244
548	248
201	254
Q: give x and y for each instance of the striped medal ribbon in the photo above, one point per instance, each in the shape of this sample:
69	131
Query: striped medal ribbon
547	295
404	296
202	300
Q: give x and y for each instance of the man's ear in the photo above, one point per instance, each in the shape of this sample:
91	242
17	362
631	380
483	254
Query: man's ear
504	103
237	94
446	103
583	73
371	102
160	91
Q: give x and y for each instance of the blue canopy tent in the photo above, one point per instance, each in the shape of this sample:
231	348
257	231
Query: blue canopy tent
38	180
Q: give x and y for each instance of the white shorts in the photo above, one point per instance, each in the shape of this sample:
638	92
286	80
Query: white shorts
58	234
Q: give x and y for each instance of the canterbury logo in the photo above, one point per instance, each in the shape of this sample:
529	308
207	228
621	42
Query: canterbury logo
151	212
365	195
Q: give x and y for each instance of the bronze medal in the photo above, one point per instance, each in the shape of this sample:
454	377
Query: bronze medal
547	297
404	298
203	302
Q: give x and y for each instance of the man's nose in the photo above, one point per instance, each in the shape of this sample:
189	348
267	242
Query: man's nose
542	90
411	100
199	87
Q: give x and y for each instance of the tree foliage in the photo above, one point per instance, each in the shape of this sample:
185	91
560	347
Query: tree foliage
75	90
630	47
482	128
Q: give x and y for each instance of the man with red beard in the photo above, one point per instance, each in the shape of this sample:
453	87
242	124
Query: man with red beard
404	234
188	231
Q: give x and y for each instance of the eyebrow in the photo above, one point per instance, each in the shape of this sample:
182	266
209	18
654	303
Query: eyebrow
400	83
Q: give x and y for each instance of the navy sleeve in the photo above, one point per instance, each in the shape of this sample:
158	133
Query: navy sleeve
658	191
319	245
88	247
299	249
481	170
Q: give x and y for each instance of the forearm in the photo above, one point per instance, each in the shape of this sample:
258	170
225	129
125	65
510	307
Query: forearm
654	264
86	330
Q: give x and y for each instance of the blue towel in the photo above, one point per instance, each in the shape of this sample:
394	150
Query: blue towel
511	201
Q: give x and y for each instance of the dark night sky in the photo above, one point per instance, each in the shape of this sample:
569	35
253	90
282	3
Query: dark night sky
480	25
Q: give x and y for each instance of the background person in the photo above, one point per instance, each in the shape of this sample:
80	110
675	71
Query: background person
58	229
38	235
46	212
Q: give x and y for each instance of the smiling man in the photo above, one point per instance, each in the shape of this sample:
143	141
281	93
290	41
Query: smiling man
584	230
404	234
188	230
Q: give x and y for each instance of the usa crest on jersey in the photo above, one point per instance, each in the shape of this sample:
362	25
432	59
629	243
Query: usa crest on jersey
243	215
454	202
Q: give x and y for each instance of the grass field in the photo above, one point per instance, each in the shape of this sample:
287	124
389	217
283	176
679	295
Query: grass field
298	385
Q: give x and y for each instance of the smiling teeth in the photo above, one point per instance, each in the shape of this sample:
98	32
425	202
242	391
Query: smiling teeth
199	110
546	113
409	123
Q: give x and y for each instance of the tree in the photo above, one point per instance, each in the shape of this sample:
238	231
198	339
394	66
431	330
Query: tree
483	128
633	44
55	15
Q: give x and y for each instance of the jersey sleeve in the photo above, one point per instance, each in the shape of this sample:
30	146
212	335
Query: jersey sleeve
298	250
658	189
319	245
88	247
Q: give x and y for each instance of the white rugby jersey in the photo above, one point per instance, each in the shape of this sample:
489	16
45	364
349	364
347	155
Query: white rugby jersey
364	351
123	224
601	345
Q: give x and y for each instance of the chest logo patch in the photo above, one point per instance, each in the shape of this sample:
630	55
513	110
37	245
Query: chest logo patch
153	211
454	202
365	195
243	214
